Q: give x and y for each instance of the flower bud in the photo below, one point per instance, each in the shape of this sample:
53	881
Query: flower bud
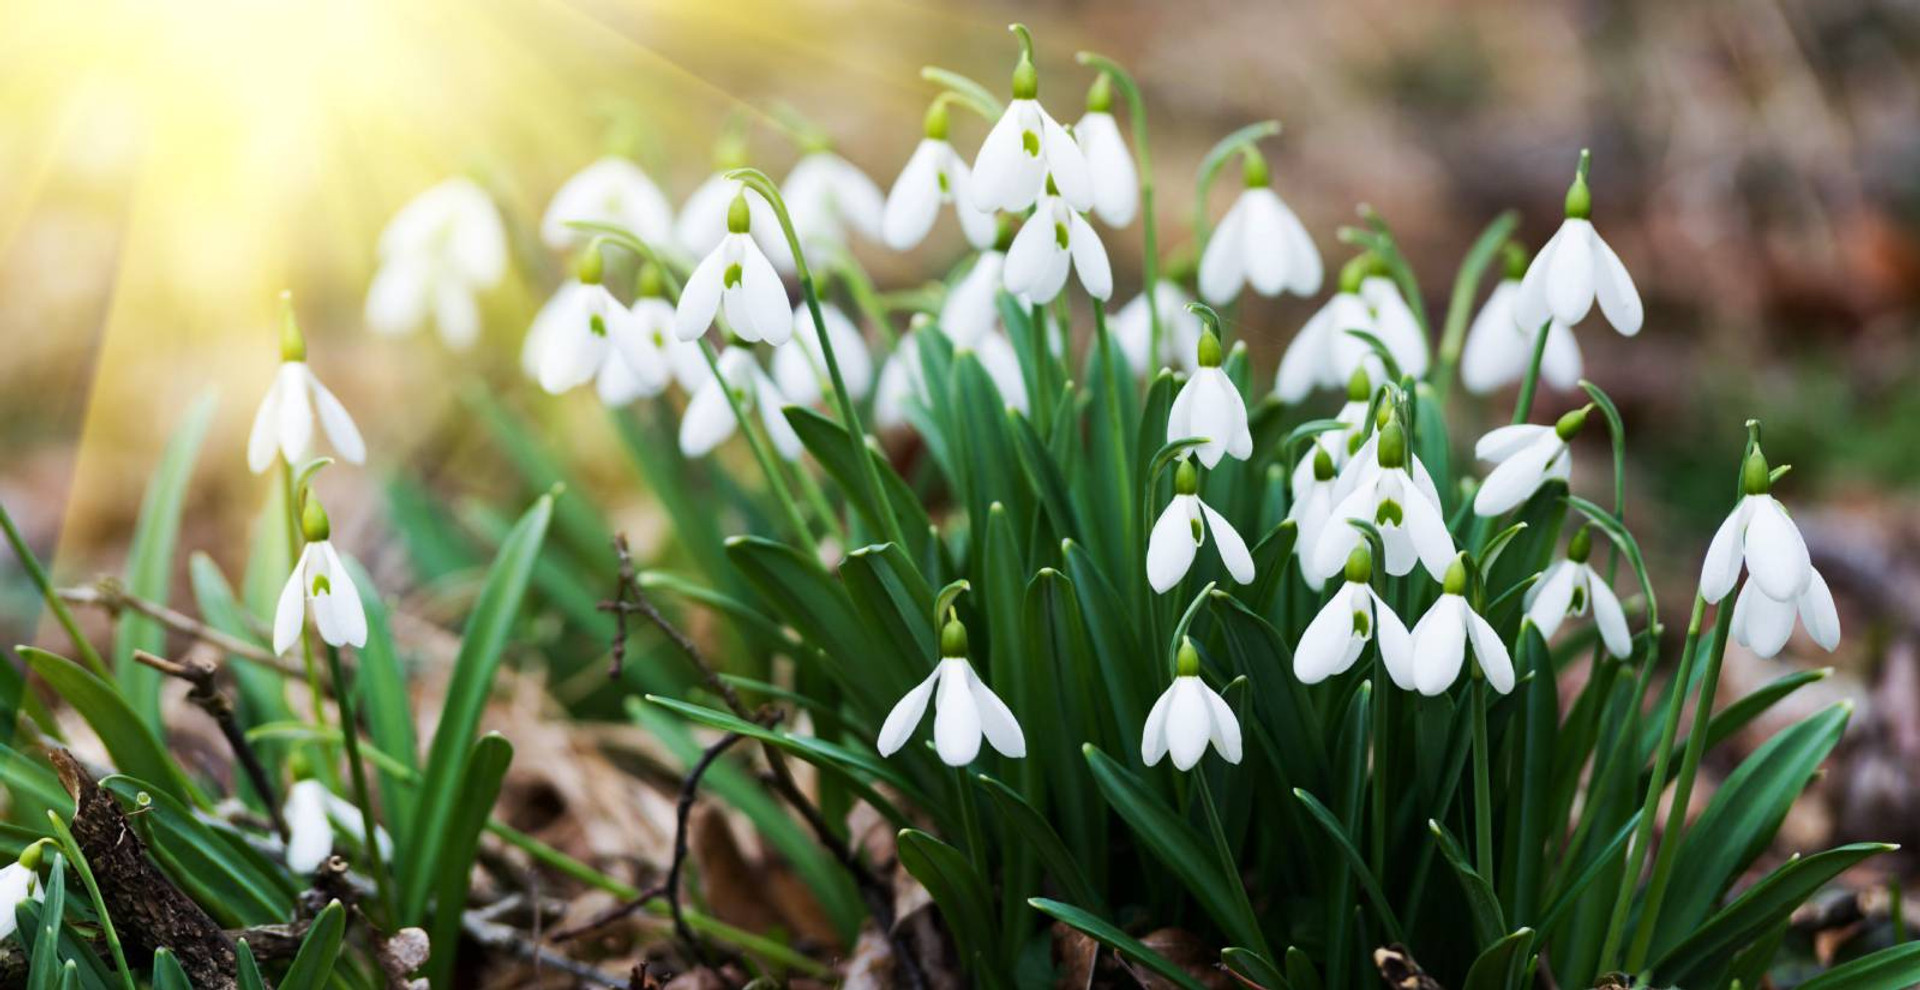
1572	422
1360	565
1100	94
1186	480
313	518
1516	260
590	267
649	283
1581	546
1755	478
1187	662
1382	416
1253	169
30	857
1456	580
1026	79
1393	446
1322	464
739	217
293	344
1359	388
937	121
1209	355
1355	271
953	640
1579	197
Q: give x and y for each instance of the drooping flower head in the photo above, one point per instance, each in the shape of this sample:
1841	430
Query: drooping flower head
1499	350
19	883
800	366
1260	242
1312	510
312	812
1183	527
737	280
1209	406
1326	352
1575	269
709	417
436	255
1188	716
1569	587
612	190
826	195
704	218
1355	616
965	709
572	338
1116	185
1527	456
284	422
1340	444
1442	638
934	174
1782	582
1056	238
1027	146
320	582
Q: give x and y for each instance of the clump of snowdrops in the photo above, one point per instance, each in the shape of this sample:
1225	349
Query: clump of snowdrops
1114	630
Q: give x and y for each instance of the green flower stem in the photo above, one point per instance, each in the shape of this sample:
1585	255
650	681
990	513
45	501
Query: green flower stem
865	298
1466	285
1379	850
1228	867
1216	158
849	416
62	614
79	861
1137	117
1042	361
768	465
970	822
1676	824
362	795
1523	406
296	542
966	91
1482	783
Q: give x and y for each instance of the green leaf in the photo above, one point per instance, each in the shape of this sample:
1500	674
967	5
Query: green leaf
819	607
1177	844
495	613
1893	968
826	440
1098	929
1502	965
313	965
249	971
1483	906
149	572
43	968
1697	957
896	606
235	888
1338	832
1300	971
961	895
1031	827
133	746
575	519
479	787
167	974
1254	966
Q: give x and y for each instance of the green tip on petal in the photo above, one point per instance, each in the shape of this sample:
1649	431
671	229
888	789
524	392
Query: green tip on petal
591	266
1581	546
1359	386
1360	565
953	639
649	283
1253	168
1209	350
313	518
1579	197
1100	94
1571	424
1755	478
1516	260
1456	579
293	344
1186	478
1187	662
739	217
1322	464
1393	446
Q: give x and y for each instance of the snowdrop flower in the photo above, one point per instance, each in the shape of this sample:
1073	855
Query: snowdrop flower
311	813
1441	639
826	194
320	580
612	190
1406	512
737	279
284	423
1179	329
972	307
1188	716
1347	623
1325	354
800	367
1499	350
1575	268
435	255
1567	588
965	710
1763	625
1209	407
1312	509
935	174
1527	456
1054	239
1026	148
572	338
1339	444
1183	526
1116	186
704	217
1760	533
709	417
19	883
1260	242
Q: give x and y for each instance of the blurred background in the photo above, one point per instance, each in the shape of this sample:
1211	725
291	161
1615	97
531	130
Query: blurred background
166	169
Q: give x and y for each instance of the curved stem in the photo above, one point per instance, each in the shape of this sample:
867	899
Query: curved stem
1466	286
966	91
1137	114
357	772
1217	157
1523	406
768	467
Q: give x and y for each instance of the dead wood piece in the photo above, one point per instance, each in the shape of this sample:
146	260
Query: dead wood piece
1397	967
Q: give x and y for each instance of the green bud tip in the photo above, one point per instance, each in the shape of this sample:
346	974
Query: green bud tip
293	344
937	121
1322	464
1186	663
1516	260
1026	79
1456	580
1393	446
1579	197
1581	546
1209	349
591	266
1755	478
1359	387
1253	168
1355	271
30	856
1572	422
1186	478
1100	94
1382	415
1360	565
739	217
649	283
313	518
953	639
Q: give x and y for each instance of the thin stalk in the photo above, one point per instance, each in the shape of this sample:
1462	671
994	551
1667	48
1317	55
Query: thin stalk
970	821
61	613
1523	406
357	771
865	298
1042	359
1482	784
1636	857
1379	857
1137	117
775	479
1466	284
1225	852
1676	825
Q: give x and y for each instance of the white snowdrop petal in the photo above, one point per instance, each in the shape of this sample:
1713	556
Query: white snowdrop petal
1170	547
1153	741
1116	186
1560	364
996	719
309	831
1232	549
1818	614
457	313
1517	478
1439	645
1090	259
1322	651
1066	163
1570	280
956	722
1225	734
1722	565
1339	538
1610	617
1396	643
1223	264
340	429
700	298
764	298
289	612
1547	600
914	200
1766	622
1005	176
1267	261
1619	300
905	716
1531	310
1428	533
1305	270
1490	653
1494	352
1189	725
1503	442
707	421
262	439
294	412
1030	254
1776	555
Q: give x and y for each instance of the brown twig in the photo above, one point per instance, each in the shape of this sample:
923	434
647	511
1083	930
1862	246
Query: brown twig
200	674
682	814
629	598
610	915
108	594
